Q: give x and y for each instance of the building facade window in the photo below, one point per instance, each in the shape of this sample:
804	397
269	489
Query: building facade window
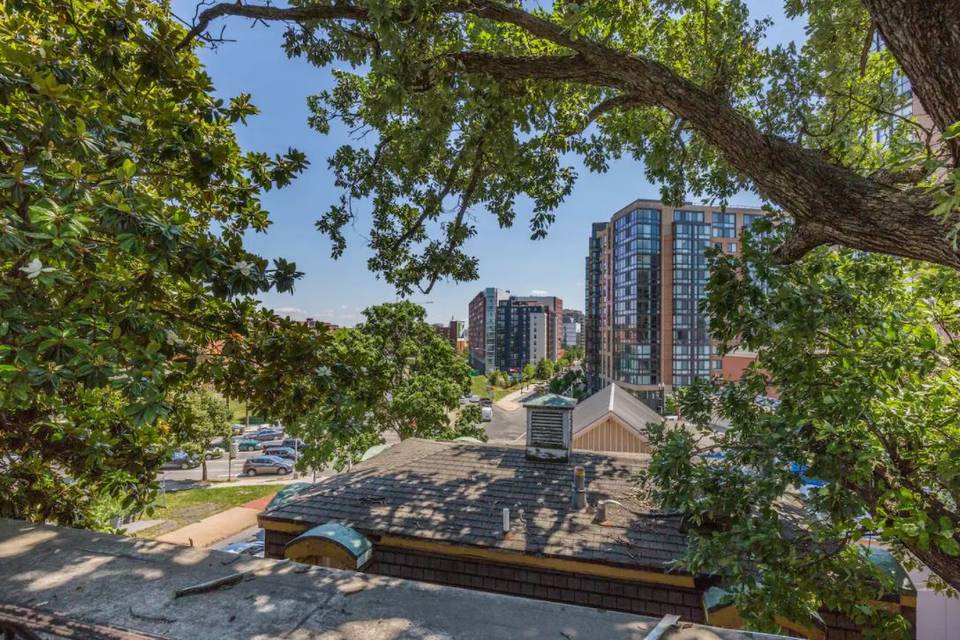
724	225
636	300
691	337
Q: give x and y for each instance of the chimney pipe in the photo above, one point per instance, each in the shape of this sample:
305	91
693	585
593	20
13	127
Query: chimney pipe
579	487
506	520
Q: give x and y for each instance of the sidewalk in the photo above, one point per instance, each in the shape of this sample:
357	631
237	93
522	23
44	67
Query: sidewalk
222	525
214	528
511	401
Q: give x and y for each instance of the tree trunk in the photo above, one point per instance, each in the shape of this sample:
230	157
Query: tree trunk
203	464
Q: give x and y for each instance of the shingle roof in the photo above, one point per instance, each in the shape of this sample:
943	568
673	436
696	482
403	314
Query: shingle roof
455	492
614	399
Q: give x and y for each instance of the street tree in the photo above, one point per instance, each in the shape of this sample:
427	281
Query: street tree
573	353
475	104
391	373
528	373
124	198
545	369
198	419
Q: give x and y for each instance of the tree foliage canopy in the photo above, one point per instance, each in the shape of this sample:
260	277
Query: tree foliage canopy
123	200
461	105
393	374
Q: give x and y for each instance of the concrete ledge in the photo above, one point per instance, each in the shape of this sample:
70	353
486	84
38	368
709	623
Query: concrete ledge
103	579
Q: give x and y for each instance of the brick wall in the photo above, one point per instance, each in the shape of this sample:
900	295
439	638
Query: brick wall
604	593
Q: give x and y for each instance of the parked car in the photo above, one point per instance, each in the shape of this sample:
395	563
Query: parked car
181	460
267	465
269	444
247	444
281	452
238	429
486	414
486	402
215	452
268	434
294	443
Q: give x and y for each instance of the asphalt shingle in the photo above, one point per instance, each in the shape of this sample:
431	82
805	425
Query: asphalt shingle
455	492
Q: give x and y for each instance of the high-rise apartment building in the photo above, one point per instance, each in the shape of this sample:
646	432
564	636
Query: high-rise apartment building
646	272
572	328
482	331
506	332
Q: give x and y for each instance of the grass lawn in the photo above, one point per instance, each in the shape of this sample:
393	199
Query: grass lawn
184	507
478	386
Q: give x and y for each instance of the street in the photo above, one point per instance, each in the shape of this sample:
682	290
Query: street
217	472
507	426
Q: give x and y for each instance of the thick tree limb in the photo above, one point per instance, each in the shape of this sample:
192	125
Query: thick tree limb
567	68
852	209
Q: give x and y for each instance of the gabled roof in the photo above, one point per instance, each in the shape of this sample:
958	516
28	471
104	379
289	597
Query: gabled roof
617	400
455	492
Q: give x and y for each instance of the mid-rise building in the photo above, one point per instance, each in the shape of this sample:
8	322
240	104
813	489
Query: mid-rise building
507	332
572	328
482	332
646	273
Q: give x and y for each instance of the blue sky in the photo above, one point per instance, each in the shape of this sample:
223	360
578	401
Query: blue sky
337	290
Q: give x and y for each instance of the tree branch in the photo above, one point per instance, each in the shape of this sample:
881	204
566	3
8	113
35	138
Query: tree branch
274	14
853	209
622	101
803	239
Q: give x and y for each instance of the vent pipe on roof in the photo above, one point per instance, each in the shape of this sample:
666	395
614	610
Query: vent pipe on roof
579	488
506	520
601	513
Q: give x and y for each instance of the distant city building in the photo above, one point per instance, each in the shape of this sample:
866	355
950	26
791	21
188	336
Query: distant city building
454	332
507	332
457	334
646	272
572	328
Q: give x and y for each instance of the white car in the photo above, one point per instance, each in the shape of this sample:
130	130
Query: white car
486	414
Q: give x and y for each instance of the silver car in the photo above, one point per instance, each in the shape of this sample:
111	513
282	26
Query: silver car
267	465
